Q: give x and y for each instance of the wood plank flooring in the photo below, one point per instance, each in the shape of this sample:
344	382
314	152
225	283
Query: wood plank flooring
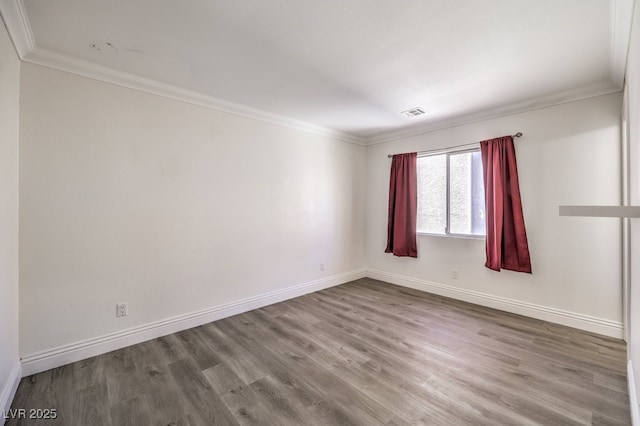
364	353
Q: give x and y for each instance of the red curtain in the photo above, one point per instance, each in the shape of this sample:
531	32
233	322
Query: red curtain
403	206
507	246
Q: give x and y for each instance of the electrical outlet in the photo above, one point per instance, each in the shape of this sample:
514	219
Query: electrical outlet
454	274
122	309
322	266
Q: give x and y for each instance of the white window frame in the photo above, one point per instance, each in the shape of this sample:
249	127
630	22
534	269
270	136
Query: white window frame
448	153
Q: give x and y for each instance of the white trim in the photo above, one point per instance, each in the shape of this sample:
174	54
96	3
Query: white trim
620	38
70	64
17	22
459	236
621	20
633	396
590	91
9	390
55	357
572	319
625	149
18	25
15	18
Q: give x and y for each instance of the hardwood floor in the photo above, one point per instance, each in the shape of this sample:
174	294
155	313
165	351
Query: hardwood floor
362	353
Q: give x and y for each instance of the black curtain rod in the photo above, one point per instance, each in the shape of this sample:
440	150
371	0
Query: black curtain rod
517	135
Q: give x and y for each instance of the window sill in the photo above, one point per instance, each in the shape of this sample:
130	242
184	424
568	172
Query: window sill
461	236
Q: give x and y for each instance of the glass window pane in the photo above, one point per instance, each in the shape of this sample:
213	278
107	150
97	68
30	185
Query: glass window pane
466	194
432	194
478	218
460	193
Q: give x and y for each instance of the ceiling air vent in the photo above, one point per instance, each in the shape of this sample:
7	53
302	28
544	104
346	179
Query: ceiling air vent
414	112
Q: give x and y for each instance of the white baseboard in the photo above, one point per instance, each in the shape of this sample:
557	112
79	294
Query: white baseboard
633	396
56	357
572	319
9	390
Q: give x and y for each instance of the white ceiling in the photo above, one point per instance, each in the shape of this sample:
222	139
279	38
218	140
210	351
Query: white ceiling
348	67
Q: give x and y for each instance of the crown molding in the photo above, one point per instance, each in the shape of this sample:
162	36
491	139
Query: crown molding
620	36
15	18
621	21
597	89
70	64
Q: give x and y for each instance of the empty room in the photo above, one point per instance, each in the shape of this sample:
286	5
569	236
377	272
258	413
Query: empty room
363	212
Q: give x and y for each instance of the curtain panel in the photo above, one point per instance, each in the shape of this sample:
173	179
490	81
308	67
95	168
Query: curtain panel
403	206
506	242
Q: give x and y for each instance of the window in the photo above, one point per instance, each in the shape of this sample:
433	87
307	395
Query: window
451	194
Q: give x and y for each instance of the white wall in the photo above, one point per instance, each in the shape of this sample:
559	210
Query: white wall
171	207
9	114
174	208
570	154
633	96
